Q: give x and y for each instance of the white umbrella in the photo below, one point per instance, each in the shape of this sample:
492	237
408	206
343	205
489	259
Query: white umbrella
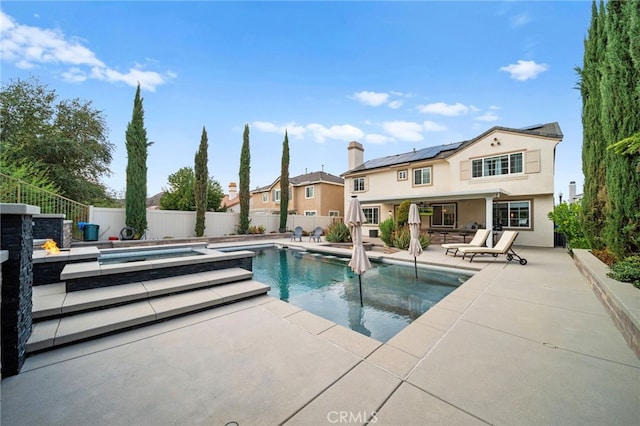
359	262
415	248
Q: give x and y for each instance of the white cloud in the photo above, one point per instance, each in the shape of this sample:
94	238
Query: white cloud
488	116
265	126
520	20
377	139
74	75
431	126
442	108
404	130
293	130
319	132
395	104
342	132
524	70
371	98
28	47
494	107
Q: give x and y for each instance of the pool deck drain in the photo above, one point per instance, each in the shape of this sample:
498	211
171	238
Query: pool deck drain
513	345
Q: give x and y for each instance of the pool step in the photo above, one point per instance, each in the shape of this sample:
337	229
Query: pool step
61	318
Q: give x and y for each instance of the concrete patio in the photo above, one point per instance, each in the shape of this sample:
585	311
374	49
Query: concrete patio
526	345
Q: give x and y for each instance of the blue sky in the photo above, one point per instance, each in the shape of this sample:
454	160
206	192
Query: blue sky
391	75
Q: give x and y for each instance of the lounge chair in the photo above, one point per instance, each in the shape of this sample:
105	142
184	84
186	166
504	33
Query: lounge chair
297	234
316	234
478	240
503	246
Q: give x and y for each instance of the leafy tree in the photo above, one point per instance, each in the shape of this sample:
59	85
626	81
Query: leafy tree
284	184
181	196
136	192
245	170
66	140
201	181
568	221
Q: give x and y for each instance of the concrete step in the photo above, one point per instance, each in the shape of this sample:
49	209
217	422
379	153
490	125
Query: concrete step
52	301
54	332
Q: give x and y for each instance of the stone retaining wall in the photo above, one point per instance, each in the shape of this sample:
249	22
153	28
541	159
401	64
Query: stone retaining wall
621	300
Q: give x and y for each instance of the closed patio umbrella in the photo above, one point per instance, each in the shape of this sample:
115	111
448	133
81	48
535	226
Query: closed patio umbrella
359	262
415	248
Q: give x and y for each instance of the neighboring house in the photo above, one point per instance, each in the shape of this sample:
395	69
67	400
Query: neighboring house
311	194
231	200
503	176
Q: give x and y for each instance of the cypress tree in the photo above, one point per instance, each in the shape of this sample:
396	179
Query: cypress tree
245	169
620	118
593	146
284	184
201	182
136	192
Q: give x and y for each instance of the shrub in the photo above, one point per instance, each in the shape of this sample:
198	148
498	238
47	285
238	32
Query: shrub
567	220
338	233
627	270
402	237
425	240
403	212
260	229
387	228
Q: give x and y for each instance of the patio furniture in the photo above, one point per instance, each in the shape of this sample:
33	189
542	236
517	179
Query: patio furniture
502	247
316	234
297	234
479	240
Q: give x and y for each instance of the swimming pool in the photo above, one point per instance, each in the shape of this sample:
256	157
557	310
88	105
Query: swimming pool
326	286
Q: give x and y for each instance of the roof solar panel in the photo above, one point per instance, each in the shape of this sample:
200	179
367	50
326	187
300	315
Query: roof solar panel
407	157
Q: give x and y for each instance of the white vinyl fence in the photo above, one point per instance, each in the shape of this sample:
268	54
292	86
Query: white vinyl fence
179	224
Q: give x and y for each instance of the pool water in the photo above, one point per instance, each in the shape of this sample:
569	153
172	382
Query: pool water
326	286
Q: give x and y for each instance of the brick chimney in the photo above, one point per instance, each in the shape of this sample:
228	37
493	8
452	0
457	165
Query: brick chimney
233	190
356	154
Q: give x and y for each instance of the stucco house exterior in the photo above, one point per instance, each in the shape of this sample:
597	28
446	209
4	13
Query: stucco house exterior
503	177
310	194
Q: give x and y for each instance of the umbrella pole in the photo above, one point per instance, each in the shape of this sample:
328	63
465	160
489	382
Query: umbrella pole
360	282
415	265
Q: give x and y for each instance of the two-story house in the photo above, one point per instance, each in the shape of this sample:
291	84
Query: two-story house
502	177
310	194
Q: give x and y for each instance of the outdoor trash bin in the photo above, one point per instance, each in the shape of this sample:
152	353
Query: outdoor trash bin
90	231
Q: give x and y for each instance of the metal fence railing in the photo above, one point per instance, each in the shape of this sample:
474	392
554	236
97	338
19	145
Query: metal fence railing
13	190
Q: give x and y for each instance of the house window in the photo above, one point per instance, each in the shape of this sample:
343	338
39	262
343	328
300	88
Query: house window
265	197
495	166
276	195
358	184
512	214
309	191
422	176
443	215
334	213
402	175
372	214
